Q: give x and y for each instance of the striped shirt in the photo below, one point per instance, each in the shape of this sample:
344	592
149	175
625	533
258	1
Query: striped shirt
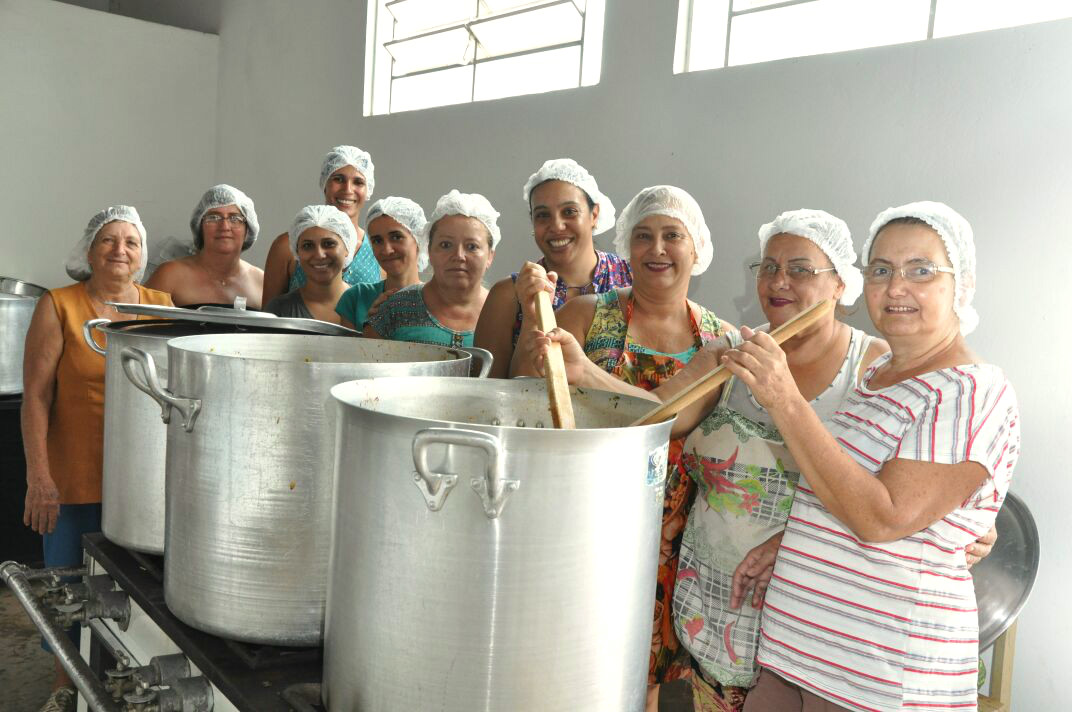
894	626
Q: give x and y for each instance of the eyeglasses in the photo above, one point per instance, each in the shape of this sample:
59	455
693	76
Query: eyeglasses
916	271
797	273
214	218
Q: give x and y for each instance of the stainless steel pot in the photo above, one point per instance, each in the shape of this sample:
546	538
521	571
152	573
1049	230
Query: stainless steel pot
250	455
484	561
17	302
134	440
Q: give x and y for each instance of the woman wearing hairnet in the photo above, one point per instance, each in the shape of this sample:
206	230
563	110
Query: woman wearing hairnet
394	227
749	471
323	238
567	209
223	225
63	399
461	235
643	335
347	177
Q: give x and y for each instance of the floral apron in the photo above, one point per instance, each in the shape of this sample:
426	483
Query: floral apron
746	479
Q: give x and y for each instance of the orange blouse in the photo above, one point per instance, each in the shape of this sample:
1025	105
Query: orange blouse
76	419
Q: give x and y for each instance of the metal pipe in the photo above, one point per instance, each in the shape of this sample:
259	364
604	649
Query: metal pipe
57	571
98	699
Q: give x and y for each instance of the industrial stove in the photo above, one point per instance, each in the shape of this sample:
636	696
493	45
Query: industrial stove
143	659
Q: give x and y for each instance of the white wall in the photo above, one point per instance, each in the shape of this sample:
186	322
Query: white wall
981	122
97	109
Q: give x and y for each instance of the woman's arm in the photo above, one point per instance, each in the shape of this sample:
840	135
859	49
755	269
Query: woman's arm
495	327
575	317
369	333
44	346
165	278
277	269
905	497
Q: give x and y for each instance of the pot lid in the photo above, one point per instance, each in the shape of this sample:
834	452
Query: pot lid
12	288
238	317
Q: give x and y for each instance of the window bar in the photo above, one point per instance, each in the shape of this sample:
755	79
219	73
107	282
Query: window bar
688	34
472	37
390	79
580	63
475	61
930	21
729	24
775	6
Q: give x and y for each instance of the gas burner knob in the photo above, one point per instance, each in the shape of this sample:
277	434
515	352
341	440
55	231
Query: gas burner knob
120	680
140	699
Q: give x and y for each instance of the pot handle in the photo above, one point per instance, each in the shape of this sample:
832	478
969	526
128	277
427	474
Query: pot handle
485	358
87	332
148	383
493	487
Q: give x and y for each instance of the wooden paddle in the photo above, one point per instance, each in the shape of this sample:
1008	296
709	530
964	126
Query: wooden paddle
555	368
720	375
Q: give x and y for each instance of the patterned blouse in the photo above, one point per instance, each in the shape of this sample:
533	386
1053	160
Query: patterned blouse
405	317
610	273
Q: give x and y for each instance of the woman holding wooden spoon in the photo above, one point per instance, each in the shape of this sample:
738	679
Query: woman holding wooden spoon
642	336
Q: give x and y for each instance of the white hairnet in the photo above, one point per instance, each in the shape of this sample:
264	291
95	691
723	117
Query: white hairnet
77	265
471	205
329	218
959	243
219	196
410	216
671	202
830	234
348	156
568	170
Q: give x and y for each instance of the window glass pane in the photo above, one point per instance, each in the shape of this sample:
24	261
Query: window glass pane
826	26
497	7
955	17
707	47
417	16
440	49
528	74
542	27
449	86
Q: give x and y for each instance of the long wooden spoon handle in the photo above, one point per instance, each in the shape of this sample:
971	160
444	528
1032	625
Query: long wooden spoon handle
721	374
555	368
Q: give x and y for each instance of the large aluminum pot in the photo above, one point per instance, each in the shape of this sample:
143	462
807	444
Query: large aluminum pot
134	439
484	561
250	455
17	302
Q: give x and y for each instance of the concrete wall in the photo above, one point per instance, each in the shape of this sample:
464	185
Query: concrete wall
97	109
979	121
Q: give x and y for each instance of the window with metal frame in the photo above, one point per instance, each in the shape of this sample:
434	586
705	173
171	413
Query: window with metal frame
425	53
725	33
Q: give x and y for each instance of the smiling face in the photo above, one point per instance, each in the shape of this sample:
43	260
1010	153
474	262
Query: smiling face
562	222
116	251
224	235
782	297
661	252
899	308
347	190
460	251
321	254
393	245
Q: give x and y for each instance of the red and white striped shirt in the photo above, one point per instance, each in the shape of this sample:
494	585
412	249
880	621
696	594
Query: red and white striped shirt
894	626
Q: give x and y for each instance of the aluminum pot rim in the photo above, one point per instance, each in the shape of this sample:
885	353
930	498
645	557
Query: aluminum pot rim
340	393
193	345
